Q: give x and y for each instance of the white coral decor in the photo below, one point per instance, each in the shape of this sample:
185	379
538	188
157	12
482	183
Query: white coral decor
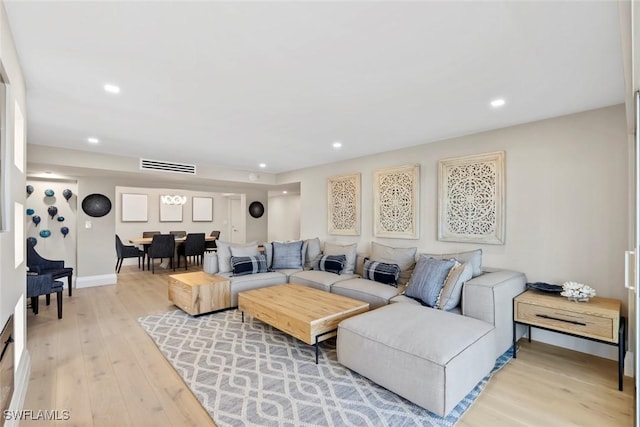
577	291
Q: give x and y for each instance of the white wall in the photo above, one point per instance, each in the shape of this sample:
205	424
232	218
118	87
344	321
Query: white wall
56	246
284	217
12	192
566	200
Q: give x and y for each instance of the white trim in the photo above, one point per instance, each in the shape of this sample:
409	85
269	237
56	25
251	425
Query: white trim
101	280
628	364
21	382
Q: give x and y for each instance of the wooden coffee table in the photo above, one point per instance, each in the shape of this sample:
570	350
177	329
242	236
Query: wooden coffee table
305	313
199	292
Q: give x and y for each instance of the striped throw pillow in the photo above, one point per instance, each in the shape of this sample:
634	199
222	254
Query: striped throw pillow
381	272
243	265
332	263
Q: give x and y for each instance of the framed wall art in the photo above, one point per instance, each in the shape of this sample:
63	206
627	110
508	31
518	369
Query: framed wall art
471	199
170	210
396	202
134	207
343	205
202	209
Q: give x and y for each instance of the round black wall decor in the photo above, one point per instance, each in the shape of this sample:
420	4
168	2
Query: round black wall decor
256	209
96	205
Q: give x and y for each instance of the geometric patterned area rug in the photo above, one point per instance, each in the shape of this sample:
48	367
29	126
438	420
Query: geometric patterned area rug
255	375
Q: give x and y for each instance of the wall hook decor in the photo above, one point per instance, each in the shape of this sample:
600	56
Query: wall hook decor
29	189
45	233
49	192
66	193
52	211
60	218
32	241
30	211
36	220
64	231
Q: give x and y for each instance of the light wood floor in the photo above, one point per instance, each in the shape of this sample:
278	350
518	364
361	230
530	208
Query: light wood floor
100	365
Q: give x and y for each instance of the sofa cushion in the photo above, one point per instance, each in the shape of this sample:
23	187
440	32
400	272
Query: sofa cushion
472	257
332	263
404	257
452	290
244	251
243	265
238	284
312	254
428	278
317	279
381	272
348	250
287	255
376	294
224	254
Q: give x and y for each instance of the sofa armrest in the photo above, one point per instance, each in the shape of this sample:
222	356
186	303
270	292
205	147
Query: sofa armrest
489	297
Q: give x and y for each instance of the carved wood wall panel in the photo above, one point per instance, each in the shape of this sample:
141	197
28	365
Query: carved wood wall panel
343	199
396	202
471	199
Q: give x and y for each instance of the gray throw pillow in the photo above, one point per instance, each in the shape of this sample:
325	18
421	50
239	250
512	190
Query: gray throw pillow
452	290
268	252
472	257
224	254
350	251
428	278
313	253
405	258
287	255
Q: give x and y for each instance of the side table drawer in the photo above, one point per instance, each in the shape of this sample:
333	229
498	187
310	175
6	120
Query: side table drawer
584	324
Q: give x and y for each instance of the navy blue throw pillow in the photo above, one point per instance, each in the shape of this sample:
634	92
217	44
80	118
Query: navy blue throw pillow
332	263
243	265
381	272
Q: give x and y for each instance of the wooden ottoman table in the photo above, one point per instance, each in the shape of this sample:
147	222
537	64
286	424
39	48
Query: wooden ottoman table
199	292
308	314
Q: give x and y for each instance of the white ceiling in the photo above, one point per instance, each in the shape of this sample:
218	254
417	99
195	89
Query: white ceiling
239	83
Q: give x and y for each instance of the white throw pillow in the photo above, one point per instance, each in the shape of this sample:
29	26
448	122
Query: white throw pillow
451	293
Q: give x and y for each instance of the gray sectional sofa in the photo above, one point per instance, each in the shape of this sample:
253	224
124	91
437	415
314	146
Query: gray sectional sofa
427	355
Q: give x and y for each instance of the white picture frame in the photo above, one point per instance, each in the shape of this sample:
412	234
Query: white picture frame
202	209
170	212
134	208
471	199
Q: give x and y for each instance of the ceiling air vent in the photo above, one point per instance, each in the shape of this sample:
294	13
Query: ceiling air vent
161	166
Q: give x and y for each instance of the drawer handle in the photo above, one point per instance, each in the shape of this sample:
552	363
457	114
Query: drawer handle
544	316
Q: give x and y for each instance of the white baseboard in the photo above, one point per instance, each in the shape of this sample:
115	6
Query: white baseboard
101	280
628	364
20	385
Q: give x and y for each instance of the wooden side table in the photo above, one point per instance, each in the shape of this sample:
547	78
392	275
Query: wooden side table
199	292
598	320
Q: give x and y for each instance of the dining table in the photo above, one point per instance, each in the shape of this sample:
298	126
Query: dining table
146	242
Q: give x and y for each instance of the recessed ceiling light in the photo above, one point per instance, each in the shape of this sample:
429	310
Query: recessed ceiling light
111	88
337	144
284	192
497	103
263	165
93	140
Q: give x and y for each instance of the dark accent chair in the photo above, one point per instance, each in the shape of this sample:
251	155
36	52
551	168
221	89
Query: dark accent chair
44	284
40	265
162	246
192	246
212	245
127	251
146	247
179	233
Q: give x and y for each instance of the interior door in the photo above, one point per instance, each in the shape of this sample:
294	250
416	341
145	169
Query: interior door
237	222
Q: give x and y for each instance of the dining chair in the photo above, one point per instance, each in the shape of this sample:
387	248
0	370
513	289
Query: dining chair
40	265
178	233
162	246
212	245
146	247
127	251
192	246
44	284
